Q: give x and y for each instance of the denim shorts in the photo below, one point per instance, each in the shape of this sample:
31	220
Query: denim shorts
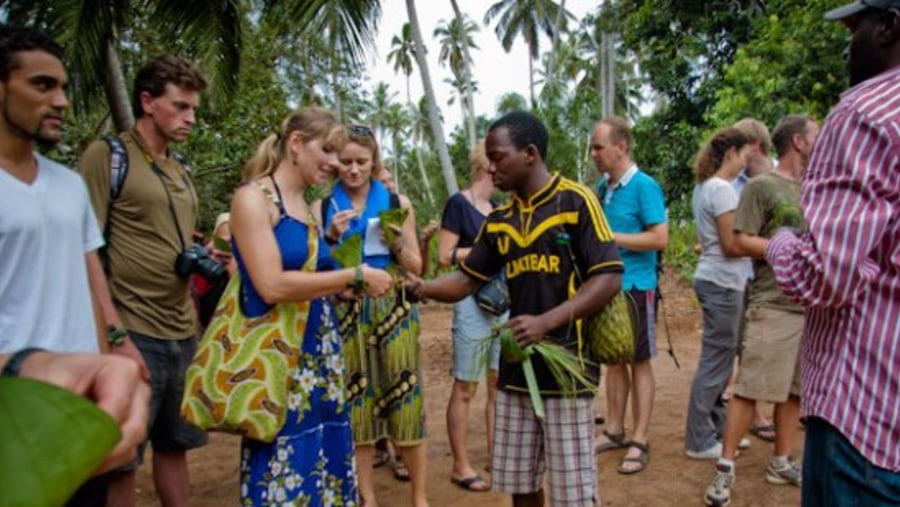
473	352
167	361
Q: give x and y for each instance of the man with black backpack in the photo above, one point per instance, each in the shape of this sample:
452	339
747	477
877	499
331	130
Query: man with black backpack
147	207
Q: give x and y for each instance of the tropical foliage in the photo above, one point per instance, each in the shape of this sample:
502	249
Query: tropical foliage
681	70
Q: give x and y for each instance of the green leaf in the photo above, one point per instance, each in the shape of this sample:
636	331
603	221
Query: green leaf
533	391
53	440
221	244
392	217
349	253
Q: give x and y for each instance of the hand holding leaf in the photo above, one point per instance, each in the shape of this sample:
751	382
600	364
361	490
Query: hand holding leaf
392	222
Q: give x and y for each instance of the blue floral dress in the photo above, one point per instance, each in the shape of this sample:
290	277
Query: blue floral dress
310	462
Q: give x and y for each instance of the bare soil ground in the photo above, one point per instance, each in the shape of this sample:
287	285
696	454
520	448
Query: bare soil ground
669	480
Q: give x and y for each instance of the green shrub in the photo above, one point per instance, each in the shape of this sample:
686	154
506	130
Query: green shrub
680	254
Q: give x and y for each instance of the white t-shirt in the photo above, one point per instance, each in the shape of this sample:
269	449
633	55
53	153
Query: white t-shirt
711	199
45	230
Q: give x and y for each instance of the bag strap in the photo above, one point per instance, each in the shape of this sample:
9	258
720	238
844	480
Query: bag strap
118	166
274	196
118	170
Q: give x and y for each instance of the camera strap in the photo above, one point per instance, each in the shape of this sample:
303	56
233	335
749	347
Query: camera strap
162	181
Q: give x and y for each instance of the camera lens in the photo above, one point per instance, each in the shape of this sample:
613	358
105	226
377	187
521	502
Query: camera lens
211	270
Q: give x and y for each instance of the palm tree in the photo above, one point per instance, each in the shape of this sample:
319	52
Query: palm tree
402	55
421	135
455	38
528	18
94	31
396	123
463	90
382	98
433	111
510	102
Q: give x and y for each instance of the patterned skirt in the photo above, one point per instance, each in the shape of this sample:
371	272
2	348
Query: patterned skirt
311	461
383	378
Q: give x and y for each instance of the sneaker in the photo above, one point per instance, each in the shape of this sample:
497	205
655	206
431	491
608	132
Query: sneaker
744	443
718	494
784	474
712	453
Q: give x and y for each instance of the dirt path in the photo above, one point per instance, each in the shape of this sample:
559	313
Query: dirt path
670	479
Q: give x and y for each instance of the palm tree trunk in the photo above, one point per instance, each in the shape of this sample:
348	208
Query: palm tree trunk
531	80
116	91
408	96
469	112
424	175
557	26
433	113
607	73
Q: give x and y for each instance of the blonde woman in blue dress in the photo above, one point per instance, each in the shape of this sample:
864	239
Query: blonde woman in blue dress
311	460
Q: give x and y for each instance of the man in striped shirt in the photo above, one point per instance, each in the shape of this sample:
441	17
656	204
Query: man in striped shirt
846	271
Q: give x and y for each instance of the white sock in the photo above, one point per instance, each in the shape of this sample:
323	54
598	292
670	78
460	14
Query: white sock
780	461
726	463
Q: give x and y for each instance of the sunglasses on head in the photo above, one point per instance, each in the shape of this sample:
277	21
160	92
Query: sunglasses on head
360	130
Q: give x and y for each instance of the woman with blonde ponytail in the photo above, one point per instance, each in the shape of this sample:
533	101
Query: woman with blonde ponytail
719	283
275	237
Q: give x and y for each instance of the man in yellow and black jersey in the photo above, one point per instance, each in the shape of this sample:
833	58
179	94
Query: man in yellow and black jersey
561	263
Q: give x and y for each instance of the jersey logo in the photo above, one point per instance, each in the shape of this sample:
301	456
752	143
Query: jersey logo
532	263
503	244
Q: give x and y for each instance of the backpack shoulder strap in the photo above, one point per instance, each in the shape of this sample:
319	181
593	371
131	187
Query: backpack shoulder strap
394	201
118	166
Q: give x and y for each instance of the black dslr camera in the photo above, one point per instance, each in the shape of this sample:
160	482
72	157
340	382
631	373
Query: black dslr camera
197	260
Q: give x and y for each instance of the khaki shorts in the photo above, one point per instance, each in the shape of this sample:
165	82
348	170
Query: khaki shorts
770	366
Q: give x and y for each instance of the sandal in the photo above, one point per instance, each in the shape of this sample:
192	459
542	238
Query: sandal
641	459
763	432
468	484
401	473
382	457
614	441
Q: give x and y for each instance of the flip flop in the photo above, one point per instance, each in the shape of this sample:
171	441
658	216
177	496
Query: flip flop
763	432
466	483
616	441
641	459
401	473
381	458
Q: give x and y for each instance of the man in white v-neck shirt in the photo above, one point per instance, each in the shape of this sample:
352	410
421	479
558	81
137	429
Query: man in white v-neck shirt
48	233
46	222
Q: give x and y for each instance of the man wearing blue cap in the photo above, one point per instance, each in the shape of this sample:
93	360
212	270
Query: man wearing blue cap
845	269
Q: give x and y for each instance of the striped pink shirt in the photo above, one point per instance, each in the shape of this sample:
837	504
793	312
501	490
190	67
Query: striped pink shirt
846	270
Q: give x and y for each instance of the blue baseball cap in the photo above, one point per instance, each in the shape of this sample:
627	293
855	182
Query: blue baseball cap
859	6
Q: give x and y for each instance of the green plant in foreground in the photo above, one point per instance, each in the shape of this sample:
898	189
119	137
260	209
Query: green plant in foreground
53	440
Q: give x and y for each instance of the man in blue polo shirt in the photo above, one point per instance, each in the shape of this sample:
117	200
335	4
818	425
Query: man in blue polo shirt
634	205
